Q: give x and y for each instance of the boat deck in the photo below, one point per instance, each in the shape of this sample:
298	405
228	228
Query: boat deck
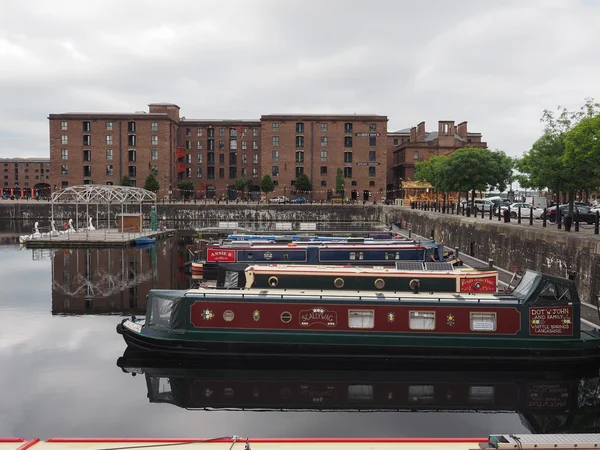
501	441
97	238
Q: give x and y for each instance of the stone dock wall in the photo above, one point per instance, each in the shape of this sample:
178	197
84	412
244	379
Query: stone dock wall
509	245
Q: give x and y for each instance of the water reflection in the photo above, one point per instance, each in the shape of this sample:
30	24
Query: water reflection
114	280
546	402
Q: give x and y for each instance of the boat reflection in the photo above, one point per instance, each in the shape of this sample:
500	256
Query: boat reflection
114	280
547	402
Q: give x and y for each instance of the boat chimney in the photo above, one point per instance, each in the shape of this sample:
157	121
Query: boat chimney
456	252
571	275
491	263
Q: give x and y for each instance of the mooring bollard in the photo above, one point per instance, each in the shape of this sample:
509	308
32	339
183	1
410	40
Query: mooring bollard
456	252
576	219
519	215
490	263
596	222
530	216
544	217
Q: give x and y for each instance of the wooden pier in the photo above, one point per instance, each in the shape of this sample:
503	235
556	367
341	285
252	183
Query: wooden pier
95	239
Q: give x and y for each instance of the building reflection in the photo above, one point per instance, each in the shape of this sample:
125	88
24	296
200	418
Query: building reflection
547	402
113	280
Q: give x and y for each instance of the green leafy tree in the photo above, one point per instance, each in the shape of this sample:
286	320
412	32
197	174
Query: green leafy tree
266	184
339	182
125	181
151	183
477	169
581	158
186	188
303	184
548	164
240	184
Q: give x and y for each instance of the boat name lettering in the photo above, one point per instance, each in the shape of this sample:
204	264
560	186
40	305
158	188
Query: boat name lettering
317	395
486	284
551	321
544	396
220	255
318	316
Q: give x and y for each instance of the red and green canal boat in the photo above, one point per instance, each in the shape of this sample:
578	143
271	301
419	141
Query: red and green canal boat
384	253
406	276
537	323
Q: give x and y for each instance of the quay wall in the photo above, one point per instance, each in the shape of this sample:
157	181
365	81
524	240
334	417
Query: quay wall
190	215
510	245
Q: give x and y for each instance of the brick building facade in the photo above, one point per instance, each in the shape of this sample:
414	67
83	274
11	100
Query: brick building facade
215	153
418	145
102	148
25	177
318	145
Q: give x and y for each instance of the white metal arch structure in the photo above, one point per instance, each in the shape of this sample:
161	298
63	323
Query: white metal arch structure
102	194
99	193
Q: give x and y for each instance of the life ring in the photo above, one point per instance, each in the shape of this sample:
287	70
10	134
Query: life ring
414	284
379	283
338	283
273	281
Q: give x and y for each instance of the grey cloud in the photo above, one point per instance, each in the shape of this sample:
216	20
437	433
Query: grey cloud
496	65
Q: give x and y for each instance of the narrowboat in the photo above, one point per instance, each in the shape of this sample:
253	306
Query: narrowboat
311	238
406	276
537	323
341	253
546	401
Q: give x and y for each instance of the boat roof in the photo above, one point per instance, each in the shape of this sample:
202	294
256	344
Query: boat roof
336	295
342	245
434	268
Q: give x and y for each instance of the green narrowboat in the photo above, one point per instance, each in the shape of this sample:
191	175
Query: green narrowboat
537	323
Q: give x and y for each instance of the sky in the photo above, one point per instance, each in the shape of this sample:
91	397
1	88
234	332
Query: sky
496	65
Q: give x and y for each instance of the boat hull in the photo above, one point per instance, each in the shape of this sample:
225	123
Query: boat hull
444	350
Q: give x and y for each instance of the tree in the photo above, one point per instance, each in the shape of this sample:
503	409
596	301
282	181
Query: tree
581	158
151	184
125	181
302	183
240	185
266	184
339	181
433	171
548	164
477	169
186	188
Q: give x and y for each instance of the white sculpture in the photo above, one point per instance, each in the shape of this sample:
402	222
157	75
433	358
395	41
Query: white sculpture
53	231
71	229
91	226
36	232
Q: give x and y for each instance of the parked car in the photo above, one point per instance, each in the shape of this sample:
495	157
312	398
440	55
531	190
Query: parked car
279	199
480	204
298	200
584	213
525	210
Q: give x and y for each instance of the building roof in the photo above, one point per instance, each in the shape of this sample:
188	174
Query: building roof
25	160
163	104
288	116
222	121
402	131
107	115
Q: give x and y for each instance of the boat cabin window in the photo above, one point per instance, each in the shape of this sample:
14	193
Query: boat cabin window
360	318
392	255
360	393
422	320
421	394
481	394
483	321
356	256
